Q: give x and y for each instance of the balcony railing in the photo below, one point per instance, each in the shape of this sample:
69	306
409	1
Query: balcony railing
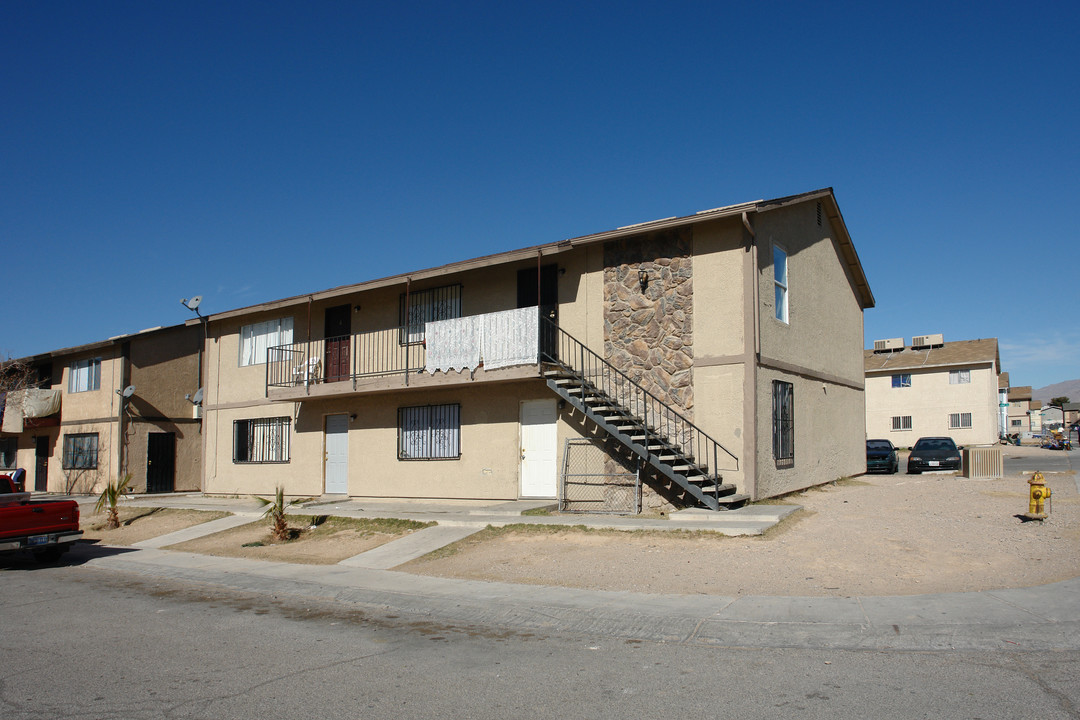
324	360
497	339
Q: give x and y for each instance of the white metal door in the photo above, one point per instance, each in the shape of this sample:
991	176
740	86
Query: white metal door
337	454
539	441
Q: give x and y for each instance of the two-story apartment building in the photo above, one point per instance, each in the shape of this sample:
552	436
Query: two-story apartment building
717	353
78	428
933	388
1023	412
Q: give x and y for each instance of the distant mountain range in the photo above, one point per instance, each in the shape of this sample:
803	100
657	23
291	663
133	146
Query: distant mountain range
1069	388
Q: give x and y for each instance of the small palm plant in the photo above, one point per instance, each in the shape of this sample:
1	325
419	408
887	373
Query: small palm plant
109	497
275	513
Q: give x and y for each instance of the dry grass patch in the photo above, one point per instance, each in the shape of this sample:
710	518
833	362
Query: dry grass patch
142	523
321	541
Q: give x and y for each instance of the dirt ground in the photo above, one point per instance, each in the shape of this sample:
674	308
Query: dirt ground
329	543
875	535
142	523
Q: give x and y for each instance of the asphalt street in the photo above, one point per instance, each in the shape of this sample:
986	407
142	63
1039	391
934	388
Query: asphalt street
80	642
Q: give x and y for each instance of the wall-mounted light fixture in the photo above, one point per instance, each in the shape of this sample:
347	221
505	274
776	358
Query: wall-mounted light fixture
643	278
352	418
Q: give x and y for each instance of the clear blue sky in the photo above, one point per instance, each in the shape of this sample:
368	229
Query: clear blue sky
247	151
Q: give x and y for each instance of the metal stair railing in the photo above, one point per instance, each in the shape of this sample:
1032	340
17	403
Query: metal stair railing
658	422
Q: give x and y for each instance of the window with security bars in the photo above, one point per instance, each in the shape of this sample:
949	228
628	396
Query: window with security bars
261	440
7	453
429	432
901	422
783	423
441	303
959	421
80	451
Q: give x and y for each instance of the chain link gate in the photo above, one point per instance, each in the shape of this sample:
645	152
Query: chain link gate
593	481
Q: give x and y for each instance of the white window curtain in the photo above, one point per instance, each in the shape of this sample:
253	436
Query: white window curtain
256	338
510	338
453	344
84	375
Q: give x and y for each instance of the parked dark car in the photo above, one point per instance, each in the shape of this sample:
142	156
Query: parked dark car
933	453
881	457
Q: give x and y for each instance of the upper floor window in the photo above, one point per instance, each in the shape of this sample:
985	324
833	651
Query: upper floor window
84	375
780	281
441	303
257	337
901	380
959	377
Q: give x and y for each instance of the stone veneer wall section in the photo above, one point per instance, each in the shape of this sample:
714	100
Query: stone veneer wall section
649	334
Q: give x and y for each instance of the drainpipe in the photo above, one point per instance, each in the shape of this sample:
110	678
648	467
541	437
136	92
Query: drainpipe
408	287
756	284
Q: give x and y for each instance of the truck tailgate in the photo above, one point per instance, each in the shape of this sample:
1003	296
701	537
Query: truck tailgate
38	518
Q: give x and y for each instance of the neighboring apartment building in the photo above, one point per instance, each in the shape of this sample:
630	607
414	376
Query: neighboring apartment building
77	430
933	388
1023	411
719	351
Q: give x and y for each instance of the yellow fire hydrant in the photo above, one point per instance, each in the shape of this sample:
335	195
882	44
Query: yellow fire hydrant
1038	498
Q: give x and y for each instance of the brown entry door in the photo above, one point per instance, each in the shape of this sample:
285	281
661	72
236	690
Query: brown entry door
338	326
542	289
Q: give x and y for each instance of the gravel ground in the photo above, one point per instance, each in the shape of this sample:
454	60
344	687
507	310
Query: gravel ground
874	535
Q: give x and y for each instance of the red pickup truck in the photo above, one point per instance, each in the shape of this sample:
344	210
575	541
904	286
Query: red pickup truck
46	528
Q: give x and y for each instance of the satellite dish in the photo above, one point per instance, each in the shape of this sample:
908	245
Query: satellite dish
198	396
129	391
194	302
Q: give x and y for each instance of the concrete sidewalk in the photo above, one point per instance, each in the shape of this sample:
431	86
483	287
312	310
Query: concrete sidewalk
1039	618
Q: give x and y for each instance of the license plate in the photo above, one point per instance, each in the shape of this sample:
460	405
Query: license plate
933	463
37	540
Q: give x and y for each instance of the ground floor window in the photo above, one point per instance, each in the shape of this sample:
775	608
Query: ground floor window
80	451
261	440
7	453
783	423
959	421
429	432
1017	423
901	422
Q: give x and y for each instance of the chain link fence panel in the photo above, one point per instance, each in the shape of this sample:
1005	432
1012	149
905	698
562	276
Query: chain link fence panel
593	481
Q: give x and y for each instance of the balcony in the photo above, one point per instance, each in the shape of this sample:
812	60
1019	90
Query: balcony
491	347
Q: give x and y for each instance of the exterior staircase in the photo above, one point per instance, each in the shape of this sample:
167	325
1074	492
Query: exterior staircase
649	430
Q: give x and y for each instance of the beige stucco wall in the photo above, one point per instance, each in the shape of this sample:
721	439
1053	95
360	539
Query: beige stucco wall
929	401
819	350
829	441
487	469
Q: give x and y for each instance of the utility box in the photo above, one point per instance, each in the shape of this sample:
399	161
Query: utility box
983	462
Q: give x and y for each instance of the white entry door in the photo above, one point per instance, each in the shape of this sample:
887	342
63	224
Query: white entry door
337	454
539	440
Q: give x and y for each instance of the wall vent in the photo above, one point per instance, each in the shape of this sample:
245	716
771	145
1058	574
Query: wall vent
926	341
889	345
819	214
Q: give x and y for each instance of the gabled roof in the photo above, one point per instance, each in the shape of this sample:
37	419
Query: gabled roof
94	346
1018	394
1003	381
962	353
825	195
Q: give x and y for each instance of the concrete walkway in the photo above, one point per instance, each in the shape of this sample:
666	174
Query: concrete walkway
1040	618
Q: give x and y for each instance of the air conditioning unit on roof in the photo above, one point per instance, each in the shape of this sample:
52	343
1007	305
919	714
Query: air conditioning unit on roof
925	341
889	345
